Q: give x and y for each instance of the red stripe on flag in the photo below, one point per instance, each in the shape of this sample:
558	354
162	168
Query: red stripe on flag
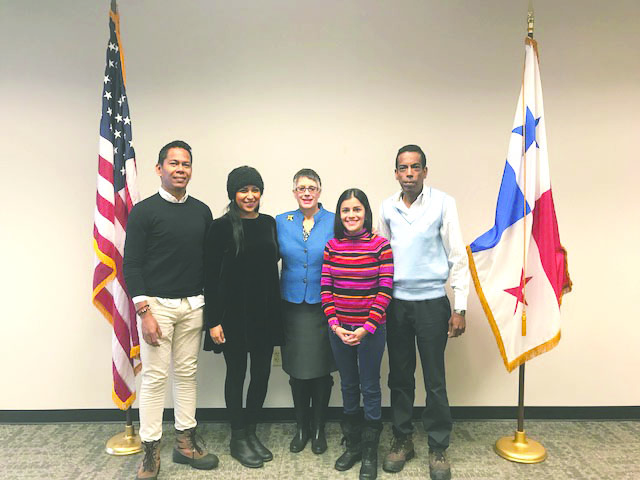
127	196
135	340
121	331
107	247
105	169
119	385
105	207
120	277
104	298
547	238
111	251
101	273
120	210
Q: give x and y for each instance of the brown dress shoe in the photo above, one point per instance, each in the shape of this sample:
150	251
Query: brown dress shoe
187	451
401	451
150	466
439	467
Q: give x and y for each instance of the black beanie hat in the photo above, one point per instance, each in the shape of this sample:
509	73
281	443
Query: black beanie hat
241	177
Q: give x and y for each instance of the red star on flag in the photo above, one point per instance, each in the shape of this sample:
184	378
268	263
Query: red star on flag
518	291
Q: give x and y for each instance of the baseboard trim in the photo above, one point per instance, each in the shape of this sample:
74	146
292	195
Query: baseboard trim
286	414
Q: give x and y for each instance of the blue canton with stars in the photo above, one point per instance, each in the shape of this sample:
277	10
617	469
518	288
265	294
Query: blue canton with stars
115	124
530	125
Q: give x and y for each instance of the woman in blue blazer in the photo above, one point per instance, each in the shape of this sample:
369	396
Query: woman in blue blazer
306	356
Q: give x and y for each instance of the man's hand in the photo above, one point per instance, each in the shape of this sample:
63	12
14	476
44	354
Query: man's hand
217	335
457	325
151	332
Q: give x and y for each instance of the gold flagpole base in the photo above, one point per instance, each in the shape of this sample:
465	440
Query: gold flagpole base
520	449
125	443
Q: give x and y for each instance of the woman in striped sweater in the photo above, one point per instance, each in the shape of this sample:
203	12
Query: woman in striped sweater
356	286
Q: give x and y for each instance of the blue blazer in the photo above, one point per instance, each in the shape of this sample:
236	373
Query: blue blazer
302	261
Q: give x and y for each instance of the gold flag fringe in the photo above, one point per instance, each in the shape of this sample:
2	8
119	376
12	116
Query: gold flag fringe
534	352
120	404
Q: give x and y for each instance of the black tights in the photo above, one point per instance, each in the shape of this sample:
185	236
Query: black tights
260	369
309	386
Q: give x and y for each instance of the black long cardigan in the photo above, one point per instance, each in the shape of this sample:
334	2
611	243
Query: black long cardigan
242	292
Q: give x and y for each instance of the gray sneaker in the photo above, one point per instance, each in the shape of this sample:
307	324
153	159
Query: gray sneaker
439	466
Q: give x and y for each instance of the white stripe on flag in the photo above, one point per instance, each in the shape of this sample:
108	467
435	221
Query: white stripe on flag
105	189
105	149
104	226
132	180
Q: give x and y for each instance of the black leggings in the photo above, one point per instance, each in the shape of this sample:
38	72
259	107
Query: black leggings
260	370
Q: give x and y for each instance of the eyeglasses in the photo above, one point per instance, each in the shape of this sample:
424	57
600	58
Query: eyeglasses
310	189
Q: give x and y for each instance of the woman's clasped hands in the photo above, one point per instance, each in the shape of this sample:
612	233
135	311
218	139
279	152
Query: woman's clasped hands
351	338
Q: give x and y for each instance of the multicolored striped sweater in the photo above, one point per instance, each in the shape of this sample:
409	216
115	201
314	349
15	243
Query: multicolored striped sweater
357	280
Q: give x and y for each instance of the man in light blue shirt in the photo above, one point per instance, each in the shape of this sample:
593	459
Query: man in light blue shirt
422	225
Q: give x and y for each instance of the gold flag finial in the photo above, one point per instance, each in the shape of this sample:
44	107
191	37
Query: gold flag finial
530	20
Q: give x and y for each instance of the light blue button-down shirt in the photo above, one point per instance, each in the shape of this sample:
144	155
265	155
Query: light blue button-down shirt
302	261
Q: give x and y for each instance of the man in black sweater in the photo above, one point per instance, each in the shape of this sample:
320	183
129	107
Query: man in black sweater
163	270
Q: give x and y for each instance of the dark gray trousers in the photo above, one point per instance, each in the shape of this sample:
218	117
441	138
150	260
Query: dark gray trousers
425	322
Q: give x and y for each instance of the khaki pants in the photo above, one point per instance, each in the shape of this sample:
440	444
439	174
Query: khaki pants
181	335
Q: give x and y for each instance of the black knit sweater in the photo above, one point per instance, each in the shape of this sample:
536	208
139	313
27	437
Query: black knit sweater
163	252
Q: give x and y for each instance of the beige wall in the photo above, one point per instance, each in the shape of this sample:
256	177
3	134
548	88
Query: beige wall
337	86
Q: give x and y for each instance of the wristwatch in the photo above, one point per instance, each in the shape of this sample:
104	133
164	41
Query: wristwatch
459	312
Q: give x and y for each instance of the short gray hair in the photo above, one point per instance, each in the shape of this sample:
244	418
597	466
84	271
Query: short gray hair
308	173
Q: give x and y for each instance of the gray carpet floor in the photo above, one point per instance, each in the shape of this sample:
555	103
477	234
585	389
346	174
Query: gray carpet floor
593	450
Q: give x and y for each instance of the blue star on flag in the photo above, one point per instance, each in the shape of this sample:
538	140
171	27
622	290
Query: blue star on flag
530	125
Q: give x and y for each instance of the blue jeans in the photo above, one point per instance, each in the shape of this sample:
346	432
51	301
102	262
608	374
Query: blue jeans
359	368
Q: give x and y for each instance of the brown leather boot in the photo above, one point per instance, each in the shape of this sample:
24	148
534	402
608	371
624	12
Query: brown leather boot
187	451
401	451
439	466
150	466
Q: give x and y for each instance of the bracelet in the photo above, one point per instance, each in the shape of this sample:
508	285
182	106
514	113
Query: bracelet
143	310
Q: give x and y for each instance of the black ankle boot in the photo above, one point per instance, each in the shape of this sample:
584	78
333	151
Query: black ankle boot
241	450
301	396
256	445
370	441
320	394
352	437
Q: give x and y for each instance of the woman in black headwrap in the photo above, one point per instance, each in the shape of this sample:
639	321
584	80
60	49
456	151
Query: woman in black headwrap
242	306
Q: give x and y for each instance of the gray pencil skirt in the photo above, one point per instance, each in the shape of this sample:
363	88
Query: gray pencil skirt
307	353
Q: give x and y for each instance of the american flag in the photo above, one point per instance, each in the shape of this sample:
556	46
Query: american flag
116	195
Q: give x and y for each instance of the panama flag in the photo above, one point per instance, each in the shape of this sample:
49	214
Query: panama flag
519	267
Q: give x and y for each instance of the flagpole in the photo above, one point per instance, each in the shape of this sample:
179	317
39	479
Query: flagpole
519	448
127	442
